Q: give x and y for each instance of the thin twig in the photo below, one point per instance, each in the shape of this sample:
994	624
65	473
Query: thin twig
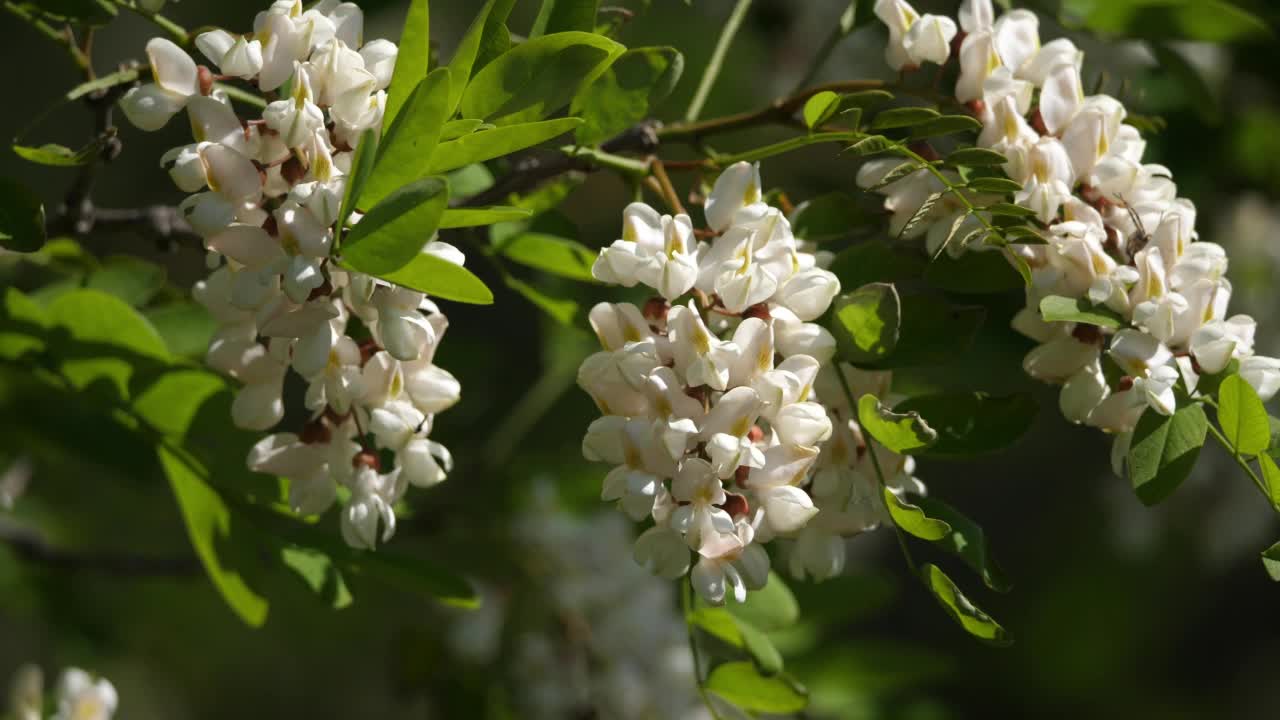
712	70
30	546
780	111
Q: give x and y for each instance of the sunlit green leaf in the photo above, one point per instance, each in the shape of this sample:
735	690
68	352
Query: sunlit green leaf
472	217
60	155
440	278
911	518
185	326
966	539
902	433
1242	416
1056	308
741	684
961	609
131	279
819	108
537	77
318	572
361	165
772	607
627	92
497	142
866	322
393	232
412	60
404	153
556	255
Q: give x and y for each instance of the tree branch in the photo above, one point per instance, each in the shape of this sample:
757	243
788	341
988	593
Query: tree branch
780	111
31	547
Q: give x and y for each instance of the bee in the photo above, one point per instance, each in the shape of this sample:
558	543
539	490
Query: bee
1140	237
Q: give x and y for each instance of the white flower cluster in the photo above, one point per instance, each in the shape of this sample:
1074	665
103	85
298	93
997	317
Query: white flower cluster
685	410
266	199
1116	233
78	696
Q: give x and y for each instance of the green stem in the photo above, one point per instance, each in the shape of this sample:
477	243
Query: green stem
61	37
176	31
947	184
625	165
686	605
717	59
875	463
786	146
241	95
1244	465
841	29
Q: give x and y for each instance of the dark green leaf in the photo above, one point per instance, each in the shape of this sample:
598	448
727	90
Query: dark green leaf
866	323
945	125
489	144
472	217
1163	451
412	60
562	15
741	684
1056	308
975	157
21	218
903	117
961	609
871	145
1242	416
902	433
874	261
966	540
865	99
441	278
970	424
556	255
912	518
931	332
826	217
393	232
973	272
627	92
404	153
131	279
1214	21
819	108
994	185
537	77
361	165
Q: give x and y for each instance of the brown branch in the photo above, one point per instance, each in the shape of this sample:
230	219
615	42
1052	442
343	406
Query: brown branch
31	547
779	112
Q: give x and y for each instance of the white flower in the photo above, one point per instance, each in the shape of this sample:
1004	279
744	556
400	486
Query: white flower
372	497
929	40
707	528
736	188
1263	373
81	697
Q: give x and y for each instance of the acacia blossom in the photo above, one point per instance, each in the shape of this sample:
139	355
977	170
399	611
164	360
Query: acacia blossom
266	197
1114	231
77	696
711	414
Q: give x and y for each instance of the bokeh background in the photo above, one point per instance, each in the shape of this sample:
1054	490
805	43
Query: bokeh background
1118	610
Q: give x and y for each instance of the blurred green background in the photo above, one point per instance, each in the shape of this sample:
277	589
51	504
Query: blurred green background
1117	610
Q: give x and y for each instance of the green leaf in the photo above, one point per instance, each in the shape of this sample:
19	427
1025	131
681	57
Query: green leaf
903	117
209	525
472	217
871	145
537	77
1242	416
826	217
739	633
945	125
56	155
1056	308
133	280
22	325
455	129
976	622
931	332
1163	451
994	185
556	255
965	540
361	165
393	232
970	424
741	684
975	157
875	261
186	328
899	172
865	99
1213	21
1010	210
565	311
627	92
1271	561
819	108
866	322
772	607
489	144
464	58
21	218
94	317
562	15
761	649
318	572
404	153
912	518
899	432
496	38
441	278
412	60
1271	476
973	273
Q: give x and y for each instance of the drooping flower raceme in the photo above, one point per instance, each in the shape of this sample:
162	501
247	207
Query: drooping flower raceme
265	197
710	419
1115	232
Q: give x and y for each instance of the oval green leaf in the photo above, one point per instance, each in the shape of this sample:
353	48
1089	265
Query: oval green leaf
394	231
496	142
901	433
741	684
1163	451
912	518
1242	416
440	278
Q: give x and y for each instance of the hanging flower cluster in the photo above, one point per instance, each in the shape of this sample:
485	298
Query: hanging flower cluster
1116	235
266	200
710	417
78	696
